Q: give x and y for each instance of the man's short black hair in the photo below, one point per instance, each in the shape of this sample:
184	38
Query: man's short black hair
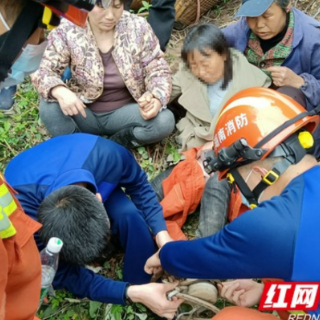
79	219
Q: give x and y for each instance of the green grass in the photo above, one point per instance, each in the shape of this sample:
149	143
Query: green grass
64	307
22	130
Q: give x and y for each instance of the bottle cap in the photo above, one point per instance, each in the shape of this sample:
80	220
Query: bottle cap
54	245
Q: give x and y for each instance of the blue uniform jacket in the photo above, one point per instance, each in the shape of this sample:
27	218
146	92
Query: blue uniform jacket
279	239
103	164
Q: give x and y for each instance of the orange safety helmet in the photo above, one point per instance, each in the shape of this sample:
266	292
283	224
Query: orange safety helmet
255	113
254	124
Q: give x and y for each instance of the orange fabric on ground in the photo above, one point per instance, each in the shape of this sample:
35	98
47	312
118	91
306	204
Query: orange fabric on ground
182	193
24	268
241	313
183	190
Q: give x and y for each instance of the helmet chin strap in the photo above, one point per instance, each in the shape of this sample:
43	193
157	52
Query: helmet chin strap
290	150
235	177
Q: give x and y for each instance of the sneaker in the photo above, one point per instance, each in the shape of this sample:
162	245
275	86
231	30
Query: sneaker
7	99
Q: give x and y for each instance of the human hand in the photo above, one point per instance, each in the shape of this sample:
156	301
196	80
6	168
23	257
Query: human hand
149	106
69	103
242	292
145	100
154	297
162	238
283	76
153	264
151	110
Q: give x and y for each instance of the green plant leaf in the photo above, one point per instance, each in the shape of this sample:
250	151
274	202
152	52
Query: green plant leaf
141	307
142	316
141	150
130	316
7	126
93	308
176	156
116	311
48	312
119	273
142	9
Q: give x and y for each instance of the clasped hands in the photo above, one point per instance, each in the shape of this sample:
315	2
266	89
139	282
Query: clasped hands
149	106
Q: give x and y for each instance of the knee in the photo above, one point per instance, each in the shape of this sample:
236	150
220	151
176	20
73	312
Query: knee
165	123
155	129
54	120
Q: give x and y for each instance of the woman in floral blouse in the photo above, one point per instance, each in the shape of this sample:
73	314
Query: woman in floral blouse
120	82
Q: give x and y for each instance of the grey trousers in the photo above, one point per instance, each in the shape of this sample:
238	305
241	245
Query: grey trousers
109	123
214	207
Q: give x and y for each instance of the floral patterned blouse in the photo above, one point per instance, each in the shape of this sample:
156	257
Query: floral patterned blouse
136	53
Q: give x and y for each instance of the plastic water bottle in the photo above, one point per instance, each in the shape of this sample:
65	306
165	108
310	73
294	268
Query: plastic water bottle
49	264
